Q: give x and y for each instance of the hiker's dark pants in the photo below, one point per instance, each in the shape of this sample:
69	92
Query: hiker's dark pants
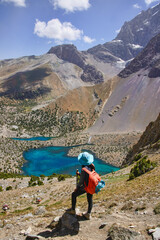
79	192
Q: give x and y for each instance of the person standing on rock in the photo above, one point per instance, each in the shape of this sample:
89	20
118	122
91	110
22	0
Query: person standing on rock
86	160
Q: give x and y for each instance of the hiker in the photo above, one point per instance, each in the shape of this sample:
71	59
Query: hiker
86	160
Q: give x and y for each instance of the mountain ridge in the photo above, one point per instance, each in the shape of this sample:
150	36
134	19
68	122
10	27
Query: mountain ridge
132	38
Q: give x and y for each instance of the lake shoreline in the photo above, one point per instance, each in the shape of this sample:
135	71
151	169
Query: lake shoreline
111	148
55	159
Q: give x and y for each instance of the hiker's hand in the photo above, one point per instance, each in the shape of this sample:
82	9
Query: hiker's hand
77	172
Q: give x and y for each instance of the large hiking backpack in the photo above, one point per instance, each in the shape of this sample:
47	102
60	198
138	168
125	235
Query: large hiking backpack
94	182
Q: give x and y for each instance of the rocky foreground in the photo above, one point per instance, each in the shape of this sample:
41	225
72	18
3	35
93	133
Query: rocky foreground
123	210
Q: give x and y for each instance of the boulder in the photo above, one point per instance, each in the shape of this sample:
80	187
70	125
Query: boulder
69	222
155	233
120	233
33	237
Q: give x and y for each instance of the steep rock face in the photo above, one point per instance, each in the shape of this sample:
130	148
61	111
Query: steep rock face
90	74
150	136
142	28
101	52
132	38
110	51
70	54
149	58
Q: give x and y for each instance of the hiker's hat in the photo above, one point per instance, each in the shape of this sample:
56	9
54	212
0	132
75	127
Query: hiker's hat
85	158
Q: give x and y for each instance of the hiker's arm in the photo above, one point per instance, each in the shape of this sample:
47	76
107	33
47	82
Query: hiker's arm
81	180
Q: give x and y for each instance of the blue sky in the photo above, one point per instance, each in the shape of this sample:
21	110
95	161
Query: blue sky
32	27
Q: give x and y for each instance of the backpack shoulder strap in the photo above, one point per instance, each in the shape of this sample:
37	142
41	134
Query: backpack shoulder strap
86	170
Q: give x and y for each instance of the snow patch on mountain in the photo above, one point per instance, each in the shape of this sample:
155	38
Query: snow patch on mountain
155	13
140	29
115	41
146	22
121	63
135	46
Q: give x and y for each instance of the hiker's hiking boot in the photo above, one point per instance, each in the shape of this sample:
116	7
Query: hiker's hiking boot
71	211
87	216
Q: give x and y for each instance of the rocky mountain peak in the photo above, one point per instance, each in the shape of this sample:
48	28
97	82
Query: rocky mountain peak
69	53
132	38
149	59
142	28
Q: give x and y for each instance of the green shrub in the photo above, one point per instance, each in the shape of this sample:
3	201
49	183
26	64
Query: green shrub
1	189
4	175
61	177
137	157
39	182
141	167
8	188
42	176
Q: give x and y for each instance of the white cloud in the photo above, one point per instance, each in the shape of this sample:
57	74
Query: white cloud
18	3
137	6
150	1
88	39
58	31
71	5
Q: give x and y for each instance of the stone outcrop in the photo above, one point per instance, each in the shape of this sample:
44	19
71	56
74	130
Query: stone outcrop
118	233
69	53
155	233
149	58
67	223
91	74
150	136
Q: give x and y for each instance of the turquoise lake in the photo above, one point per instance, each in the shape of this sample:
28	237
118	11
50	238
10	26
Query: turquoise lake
49	160
33	139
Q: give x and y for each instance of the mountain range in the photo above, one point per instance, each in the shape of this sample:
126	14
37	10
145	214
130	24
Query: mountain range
132	38
116	83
